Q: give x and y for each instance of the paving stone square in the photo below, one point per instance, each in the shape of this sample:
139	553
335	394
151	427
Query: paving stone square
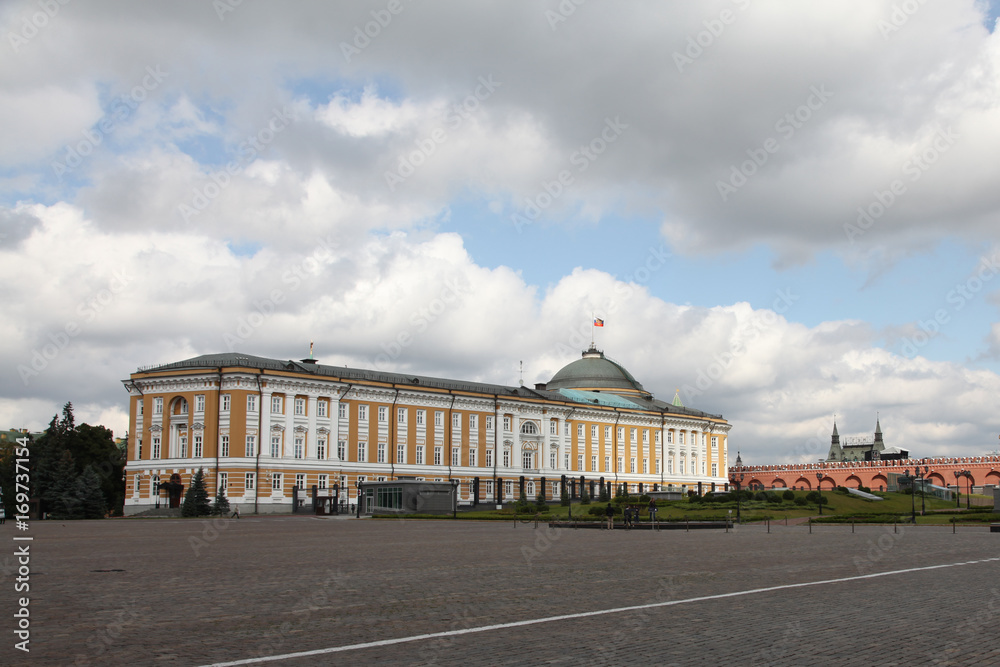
199	592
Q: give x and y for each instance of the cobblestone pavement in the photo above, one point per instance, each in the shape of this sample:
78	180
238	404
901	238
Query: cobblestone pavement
195	592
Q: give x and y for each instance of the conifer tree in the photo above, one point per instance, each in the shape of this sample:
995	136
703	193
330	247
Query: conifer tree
221	505
196	502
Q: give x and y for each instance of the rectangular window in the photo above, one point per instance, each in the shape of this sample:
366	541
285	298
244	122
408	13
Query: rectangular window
607	434
251	446
400	453
508	489
342	410
621	468
198	446
158	406
321	448
342	450
670	437
300	481
472	458
682	467
184	446
656	437
439	419
248	481
680	437
363	413
579	462
276	405
456	420
489	423
321	484
300	447
633	435
156	447
276	481
362	452
456	456
275	446
223	482
420	455
401	415
657	466
383	414
645	436
489	487
421	415
199	403
226	402
715	470
438	454
473	422
321	408
553	459
138	449
566	460
645	466
506	423
593	464
715	442
593	433
381	452
607	464
489	458
670	466
138	408
553	427
631	467
621	435
579	431
300	406
506	458
251	403
702	467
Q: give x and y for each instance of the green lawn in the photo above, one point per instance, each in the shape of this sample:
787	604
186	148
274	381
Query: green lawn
895	506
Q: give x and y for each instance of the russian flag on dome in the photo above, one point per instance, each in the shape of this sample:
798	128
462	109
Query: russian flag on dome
598	322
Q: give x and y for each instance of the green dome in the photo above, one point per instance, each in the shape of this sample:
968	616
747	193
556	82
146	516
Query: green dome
595	372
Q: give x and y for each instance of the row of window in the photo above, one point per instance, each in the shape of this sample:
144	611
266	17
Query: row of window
528	427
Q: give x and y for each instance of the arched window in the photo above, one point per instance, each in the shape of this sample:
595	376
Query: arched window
529	428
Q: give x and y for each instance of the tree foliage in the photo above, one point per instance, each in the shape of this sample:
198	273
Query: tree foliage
196	502
77	471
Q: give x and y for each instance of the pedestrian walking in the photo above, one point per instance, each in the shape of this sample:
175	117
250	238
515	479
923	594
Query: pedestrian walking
236	512
652	510
609	512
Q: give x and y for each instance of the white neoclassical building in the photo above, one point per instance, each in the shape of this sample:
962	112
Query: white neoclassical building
268	431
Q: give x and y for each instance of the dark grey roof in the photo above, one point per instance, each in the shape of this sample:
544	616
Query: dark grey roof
594	371
230	359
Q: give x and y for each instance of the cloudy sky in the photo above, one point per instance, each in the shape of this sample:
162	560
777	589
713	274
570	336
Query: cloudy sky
785	211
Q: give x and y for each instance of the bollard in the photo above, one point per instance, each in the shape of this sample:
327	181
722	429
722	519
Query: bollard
687	526
810	525
852	526
768	526
953	524
894	526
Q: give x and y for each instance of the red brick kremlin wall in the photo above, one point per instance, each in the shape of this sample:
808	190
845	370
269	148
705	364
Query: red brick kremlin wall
873	474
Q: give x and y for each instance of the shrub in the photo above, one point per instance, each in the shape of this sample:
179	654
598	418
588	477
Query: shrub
788	494
801	501
773	498
695	499
812	496
584	496
644	499
761	495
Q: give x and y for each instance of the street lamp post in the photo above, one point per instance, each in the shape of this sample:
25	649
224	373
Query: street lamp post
737	481
958	491
819	489
923	490
968	489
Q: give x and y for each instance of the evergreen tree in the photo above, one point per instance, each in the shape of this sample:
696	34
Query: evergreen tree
221	505
196	502
61	495
604	497
564	496
584	495
89	497
540	503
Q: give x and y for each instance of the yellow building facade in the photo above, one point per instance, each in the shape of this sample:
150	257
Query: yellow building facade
261	427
